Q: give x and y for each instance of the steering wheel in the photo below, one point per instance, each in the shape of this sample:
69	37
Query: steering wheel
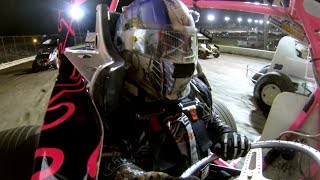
256	154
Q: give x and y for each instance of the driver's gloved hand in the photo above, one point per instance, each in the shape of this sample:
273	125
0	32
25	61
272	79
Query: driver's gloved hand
233	145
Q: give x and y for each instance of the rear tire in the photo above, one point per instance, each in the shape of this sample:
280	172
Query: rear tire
263	70
17	148
202	55
35	66
268	87
54	64
216	55
219	108
224	114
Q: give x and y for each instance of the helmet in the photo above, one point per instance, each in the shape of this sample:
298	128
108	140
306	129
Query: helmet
157	39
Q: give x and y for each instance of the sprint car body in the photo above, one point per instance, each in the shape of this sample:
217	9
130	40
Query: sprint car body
89	80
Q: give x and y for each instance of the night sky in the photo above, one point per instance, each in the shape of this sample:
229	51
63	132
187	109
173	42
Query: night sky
31	17
28	17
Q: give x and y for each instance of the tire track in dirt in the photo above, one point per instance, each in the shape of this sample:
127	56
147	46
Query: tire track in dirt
227	76
24	95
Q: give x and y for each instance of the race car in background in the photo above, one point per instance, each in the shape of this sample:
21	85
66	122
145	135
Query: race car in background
206	47
289	71
47	56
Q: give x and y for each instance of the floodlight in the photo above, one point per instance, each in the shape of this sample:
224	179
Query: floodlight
210	17
76	12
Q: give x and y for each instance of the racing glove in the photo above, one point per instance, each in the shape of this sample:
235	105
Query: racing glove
233	145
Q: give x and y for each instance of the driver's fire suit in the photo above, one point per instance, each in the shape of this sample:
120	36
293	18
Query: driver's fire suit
160	139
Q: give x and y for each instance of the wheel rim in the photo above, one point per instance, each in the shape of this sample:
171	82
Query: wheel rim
269	92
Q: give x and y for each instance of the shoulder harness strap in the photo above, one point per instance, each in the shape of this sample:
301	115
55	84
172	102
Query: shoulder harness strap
192	110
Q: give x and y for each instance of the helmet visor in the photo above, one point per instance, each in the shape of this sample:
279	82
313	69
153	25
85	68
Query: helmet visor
171	46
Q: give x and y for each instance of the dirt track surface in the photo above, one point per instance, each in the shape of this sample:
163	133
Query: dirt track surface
24	95
227	76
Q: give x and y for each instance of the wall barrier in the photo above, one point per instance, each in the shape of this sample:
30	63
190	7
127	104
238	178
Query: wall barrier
223	49
247	52
13	48
16	62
